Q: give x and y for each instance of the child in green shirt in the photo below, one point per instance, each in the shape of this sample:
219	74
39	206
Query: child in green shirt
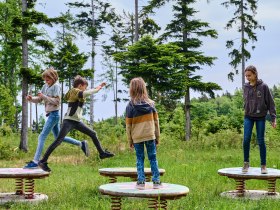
72	119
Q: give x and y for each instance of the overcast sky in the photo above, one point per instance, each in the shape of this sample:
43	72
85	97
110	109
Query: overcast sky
265	57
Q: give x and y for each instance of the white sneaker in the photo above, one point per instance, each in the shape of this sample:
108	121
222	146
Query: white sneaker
263	169
140	185
245	167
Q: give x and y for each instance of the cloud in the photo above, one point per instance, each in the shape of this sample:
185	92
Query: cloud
268	10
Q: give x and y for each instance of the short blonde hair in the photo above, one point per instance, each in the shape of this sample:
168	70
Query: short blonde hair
50	73
138	91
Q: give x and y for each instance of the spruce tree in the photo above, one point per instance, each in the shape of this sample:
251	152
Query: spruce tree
185	31
246	26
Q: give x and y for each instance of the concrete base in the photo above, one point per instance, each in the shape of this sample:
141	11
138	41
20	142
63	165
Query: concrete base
250	194
11	197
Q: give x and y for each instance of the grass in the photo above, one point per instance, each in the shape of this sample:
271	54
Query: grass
74	181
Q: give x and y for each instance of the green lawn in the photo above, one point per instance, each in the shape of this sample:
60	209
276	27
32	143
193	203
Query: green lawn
73	183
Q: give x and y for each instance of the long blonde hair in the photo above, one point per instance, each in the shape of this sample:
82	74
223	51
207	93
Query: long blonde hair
138	91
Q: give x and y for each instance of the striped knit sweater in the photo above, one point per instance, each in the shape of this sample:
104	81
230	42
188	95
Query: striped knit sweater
142	123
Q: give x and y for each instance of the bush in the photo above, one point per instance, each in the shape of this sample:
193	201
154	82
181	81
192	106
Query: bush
175	127
5	151
5	130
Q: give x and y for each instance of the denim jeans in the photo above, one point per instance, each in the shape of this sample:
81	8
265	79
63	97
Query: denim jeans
67	126
140	156
248	127
52	124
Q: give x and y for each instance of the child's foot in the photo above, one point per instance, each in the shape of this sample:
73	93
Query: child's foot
245	167
44	166
157	184
140	185
263	169
106	154
31	165
84	147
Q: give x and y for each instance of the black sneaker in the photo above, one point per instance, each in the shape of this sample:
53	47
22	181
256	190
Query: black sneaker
44	166
84	147
106	154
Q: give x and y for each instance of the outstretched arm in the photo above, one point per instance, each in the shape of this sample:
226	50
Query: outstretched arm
93	90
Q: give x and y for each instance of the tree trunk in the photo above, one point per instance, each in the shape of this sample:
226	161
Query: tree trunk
37	121
188	115
242	45
116	95
61	106
136	22
30	108
187	95
92	67
24	83
62	83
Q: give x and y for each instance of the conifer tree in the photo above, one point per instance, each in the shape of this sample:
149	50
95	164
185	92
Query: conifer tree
90	21
10	54
24	24
185	31
246	26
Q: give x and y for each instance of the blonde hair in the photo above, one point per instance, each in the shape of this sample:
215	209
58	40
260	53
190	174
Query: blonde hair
50	73
138	91
252	69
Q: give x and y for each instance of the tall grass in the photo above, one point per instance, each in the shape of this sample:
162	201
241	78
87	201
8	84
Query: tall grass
74	181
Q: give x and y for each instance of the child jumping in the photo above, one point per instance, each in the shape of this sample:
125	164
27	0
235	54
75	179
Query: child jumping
72	119
258	102
51	95
142	128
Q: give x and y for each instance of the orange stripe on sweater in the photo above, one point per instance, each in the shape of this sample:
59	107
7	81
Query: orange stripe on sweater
142	118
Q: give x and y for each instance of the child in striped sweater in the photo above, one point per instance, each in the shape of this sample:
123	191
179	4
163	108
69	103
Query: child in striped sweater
142	128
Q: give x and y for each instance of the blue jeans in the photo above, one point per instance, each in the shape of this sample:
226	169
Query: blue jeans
151	150
248	127
52	124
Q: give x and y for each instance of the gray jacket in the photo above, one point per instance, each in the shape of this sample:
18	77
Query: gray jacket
258	101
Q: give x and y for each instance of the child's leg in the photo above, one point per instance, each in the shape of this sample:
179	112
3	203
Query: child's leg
248	127
260	126
49	124
140	156
67	139
152	152
66	127
88	131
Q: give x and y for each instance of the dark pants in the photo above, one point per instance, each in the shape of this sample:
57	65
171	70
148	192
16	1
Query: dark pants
67	126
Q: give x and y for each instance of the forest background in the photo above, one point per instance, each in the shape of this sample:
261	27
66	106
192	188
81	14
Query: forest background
163	45
192	63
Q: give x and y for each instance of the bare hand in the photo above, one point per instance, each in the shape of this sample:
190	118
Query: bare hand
40	94
29	98
273	124
157	142
102	84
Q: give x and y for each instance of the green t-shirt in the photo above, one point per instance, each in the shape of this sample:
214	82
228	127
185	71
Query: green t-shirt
75	101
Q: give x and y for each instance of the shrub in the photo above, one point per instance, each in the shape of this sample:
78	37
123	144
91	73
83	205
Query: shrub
5	130
5	151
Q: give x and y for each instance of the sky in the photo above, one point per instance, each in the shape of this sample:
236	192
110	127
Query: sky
265	56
